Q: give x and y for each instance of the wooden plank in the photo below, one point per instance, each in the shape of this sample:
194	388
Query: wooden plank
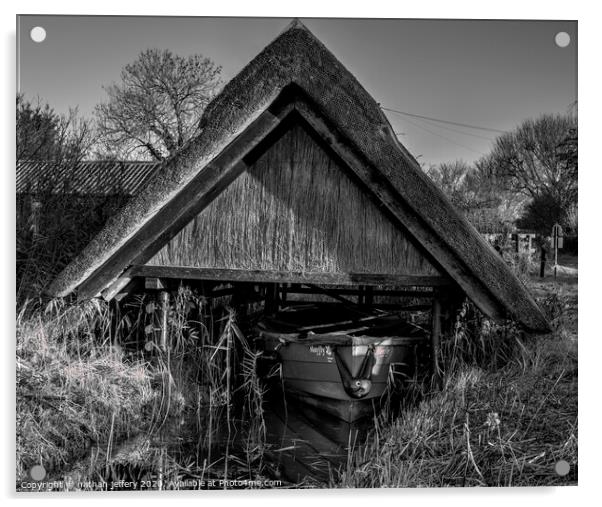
190	201
266	276
376	306
334	295
370	291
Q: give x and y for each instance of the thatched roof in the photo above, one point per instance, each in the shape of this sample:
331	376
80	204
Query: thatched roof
87	177
297	60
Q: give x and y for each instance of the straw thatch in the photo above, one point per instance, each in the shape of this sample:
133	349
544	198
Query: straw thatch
295	209
297	58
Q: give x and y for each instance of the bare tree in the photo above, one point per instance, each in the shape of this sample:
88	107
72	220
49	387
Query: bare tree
51	222
477	191
451	178
43	134
539	159
467	186
157	106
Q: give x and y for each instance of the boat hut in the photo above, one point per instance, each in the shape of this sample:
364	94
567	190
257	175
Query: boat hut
298	182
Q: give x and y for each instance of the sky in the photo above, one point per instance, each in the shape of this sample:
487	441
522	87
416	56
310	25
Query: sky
488	74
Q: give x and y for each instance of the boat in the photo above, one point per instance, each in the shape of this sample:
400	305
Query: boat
338	360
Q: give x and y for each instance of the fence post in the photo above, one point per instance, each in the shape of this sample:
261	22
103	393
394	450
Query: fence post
436	338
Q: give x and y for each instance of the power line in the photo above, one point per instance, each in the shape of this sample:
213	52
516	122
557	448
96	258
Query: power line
445	137
466	125
458	131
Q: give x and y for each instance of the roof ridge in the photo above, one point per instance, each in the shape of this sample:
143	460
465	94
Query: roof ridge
296	24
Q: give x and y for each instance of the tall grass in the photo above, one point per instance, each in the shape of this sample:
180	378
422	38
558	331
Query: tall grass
506	415
98	399
74	389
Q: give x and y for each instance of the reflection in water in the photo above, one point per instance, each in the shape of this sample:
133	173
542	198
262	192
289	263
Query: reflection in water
298	445
305	444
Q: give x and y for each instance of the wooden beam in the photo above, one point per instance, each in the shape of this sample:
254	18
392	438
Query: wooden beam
268	276
370	292
378	306
333	293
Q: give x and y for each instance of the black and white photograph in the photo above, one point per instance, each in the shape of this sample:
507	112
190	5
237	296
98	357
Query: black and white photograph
295	253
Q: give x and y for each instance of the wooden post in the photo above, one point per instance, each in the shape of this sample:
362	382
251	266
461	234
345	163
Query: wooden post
271	298
115	315
542	261
164	302
284	293
361	296
369	296
435	339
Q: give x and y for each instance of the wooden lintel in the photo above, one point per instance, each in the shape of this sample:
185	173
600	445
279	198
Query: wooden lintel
267	276
397	307
423	294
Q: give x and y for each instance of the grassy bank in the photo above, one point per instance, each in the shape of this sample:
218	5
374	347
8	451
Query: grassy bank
506	416
74	389
97	401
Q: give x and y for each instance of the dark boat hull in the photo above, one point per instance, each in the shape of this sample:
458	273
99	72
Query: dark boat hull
311	374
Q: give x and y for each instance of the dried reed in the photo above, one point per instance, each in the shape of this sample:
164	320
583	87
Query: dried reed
295	209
